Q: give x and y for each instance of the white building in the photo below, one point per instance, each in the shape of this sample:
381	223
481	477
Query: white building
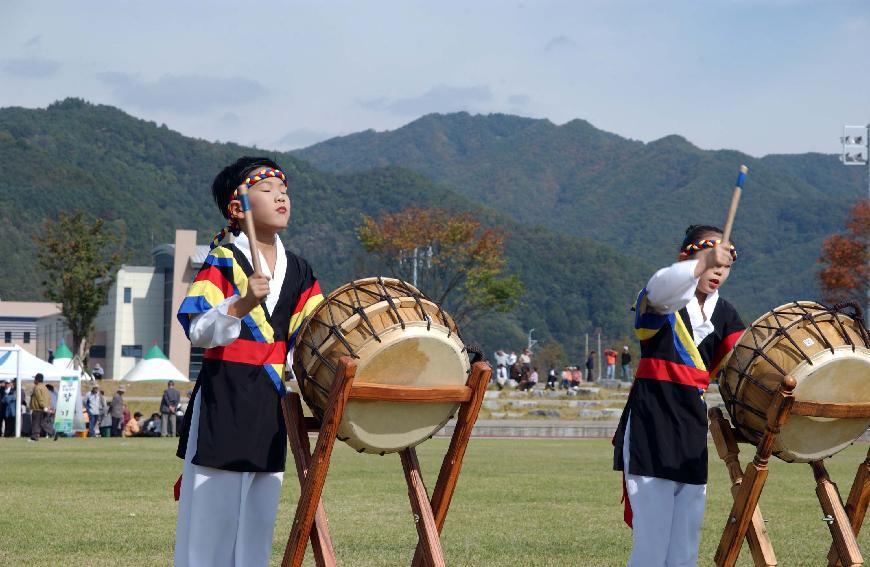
139	312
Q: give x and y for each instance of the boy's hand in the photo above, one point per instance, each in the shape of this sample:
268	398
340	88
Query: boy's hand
258	289
717	257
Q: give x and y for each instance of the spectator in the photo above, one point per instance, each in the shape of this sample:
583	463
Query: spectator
98	372
7	396
117	412
40	408
133	428
512	358
566	378
626	364
552	379
51	431
152	426
610	357
501	358
501	376
105	417
526	360
168	405
94	405
530	380
516	375
4	389
576	377
590	366
50	356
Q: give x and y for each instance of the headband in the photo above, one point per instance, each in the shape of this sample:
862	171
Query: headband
702	244
250	181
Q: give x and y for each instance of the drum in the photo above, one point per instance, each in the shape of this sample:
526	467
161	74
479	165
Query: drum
826	350
398	337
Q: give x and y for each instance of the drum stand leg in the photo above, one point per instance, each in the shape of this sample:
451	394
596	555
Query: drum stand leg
450	467
726	445
312	486
297	433
752	484
856	505
835	515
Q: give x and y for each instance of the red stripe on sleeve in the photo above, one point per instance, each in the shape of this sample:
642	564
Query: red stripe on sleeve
725	347
215	276
312	291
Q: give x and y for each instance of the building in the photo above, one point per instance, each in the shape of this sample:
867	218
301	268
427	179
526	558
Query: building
37	326
139	312
141	306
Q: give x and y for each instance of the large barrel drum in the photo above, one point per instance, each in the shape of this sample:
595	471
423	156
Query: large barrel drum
398	337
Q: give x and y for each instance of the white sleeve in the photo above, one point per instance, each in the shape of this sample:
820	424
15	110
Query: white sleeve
215	327
672	288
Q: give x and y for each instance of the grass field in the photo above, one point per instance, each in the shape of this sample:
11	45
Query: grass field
101	502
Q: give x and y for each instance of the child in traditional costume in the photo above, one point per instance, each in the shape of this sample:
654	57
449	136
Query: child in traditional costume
234	442
686	333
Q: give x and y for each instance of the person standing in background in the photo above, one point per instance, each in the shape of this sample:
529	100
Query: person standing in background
117	412
626	364
168	405
40	407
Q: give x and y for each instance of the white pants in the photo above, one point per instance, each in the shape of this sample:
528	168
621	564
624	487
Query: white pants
667	518
225	518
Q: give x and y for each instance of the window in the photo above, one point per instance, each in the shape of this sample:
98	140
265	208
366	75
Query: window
128	295
132	351
26	337
97	351
7	337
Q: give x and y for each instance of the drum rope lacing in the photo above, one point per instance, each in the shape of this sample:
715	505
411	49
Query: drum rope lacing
782	330
383	294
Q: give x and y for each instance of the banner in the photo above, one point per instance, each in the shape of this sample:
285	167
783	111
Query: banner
67	401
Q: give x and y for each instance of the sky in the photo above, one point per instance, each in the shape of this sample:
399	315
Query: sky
759	76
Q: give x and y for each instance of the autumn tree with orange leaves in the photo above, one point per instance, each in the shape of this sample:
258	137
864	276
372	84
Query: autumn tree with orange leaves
460	262
844	258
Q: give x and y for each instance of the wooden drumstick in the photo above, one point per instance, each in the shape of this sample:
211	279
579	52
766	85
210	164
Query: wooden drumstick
735	199
249	227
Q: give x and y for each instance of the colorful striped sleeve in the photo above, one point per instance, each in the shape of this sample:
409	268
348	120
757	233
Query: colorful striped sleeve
309	298
211	286
646	321
733	330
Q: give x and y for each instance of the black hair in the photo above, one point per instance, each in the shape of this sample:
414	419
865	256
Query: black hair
232	176
696	232
39	377
137	414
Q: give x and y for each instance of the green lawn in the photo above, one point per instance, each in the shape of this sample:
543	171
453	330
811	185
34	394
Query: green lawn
519	502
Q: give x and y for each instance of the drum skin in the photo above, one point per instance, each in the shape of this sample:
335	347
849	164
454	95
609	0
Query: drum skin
399	337
827	353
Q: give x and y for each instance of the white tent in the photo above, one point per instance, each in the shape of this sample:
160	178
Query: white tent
19	365
154	367
15	362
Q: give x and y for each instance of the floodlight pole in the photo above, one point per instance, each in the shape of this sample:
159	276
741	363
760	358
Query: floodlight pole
848	144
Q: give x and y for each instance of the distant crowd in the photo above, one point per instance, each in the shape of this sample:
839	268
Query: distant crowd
103	418
519	372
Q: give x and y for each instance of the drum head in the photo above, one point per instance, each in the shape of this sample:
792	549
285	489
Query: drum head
839	377
414	356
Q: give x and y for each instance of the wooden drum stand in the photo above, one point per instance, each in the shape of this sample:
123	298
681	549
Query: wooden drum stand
745	519
310	520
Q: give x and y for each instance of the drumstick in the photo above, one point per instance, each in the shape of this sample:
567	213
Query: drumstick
249	227
735	199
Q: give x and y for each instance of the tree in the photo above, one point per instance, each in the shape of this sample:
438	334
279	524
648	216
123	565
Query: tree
844	276
79	260
459	262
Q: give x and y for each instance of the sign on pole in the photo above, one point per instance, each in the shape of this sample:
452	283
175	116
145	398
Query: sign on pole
67	400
